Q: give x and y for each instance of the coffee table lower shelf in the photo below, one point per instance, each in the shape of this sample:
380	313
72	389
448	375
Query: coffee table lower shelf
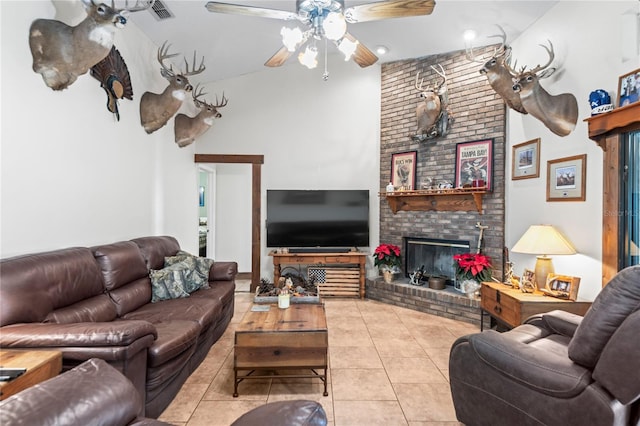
237	379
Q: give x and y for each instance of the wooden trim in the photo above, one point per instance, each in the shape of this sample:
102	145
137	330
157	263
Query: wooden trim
229	159
256	189
606	130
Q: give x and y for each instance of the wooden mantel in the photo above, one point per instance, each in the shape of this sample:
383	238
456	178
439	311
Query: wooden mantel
440	200
620	120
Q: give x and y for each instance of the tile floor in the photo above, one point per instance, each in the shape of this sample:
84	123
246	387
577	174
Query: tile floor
387	366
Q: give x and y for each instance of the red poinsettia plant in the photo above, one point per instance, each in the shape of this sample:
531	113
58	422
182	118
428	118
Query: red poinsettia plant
387	255
473	266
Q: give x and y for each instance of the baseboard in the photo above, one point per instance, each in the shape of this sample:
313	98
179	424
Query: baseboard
243	276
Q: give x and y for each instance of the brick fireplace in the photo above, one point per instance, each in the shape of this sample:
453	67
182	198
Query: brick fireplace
478	114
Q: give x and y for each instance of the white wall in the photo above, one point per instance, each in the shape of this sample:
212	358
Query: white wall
71	174
314	134
587	37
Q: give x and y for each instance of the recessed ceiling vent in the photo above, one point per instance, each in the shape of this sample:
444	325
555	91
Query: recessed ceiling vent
160	11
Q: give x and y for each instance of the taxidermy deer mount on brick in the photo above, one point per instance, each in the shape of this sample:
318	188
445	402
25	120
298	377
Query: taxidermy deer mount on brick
560	112
187	129
157	109
432	115
61	52
498	75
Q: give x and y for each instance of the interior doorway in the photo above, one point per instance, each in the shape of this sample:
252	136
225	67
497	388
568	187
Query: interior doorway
256	162
206	210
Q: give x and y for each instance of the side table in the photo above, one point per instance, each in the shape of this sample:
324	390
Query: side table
511	307
40	365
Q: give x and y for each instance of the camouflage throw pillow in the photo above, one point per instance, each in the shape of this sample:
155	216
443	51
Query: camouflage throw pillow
172	282
202	266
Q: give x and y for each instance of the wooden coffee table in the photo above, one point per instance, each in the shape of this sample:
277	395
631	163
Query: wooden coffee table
282	339
40	365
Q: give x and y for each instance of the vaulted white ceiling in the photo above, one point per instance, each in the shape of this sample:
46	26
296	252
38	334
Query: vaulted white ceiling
235	45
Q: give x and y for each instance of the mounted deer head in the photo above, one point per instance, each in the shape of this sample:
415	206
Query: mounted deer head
61	53
430	111
498	75
559	113
187	129
157	109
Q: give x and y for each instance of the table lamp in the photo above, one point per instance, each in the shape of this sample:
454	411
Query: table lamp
543	240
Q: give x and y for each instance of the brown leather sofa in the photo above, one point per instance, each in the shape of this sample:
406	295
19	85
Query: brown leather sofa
96	303
557	368
94	393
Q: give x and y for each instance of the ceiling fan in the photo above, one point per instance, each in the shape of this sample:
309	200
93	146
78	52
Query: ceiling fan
327	19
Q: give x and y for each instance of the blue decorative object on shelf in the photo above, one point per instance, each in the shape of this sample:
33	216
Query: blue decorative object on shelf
600	102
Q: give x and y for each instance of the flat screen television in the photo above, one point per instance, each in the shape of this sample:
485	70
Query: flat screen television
317	219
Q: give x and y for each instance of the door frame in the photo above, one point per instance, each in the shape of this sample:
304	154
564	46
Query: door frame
256	162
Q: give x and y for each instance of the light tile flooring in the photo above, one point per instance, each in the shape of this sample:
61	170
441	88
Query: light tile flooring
387	366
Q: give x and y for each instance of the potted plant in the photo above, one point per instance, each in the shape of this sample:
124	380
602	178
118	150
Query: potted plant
471	270
387	258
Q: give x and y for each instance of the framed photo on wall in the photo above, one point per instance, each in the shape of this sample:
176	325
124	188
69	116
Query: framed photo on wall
474	164
566	178
525	160
403	170
629	88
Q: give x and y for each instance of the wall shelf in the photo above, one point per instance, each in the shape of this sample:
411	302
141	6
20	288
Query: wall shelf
460	199
620	120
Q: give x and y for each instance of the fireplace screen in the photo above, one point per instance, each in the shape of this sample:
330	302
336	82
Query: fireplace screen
434	256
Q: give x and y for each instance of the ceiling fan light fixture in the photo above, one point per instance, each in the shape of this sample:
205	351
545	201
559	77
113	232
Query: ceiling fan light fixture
348	48
291	38
334	26
308	58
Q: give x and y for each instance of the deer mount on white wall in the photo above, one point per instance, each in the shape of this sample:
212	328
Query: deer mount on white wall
521	90
187	129
61	52
157	108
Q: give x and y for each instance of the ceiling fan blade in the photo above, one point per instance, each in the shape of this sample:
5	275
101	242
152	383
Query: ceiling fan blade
362	56
236	9
388	9
279	58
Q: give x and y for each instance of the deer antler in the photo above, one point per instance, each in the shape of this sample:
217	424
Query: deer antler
503	48
196	93
418	87
194	71
551	56
163	53
223	103
442	74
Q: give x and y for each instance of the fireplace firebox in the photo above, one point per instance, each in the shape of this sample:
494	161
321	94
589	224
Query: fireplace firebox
433	256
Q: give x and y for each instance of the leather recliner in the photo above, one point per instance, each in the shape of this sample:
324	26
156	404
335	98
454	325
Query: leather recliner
557	368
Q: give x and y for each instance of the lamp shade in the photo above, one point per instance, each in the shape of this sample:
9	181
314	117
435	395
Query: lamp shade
543	239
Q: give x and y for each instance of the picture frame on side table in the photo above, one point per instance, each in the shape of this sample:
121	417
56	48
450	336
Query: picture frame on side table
403	170
629	88
562	286
525	160
566	178
474	164
528	281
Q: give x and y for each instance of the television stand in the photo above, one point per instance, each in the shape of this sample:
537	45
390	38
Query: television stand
344	272
319	250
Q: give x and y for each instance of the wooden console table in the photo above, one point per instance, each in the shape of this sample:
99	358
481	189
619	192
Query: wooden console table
40	365
511	306
344	282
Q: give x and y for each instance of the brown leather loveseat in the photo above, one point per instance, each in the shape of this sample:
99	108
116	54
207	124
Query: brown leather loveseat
96	303
557	368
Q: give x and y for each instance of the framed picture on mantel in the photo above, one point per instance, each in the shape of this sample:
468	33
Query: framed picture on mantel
403	170
474	164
